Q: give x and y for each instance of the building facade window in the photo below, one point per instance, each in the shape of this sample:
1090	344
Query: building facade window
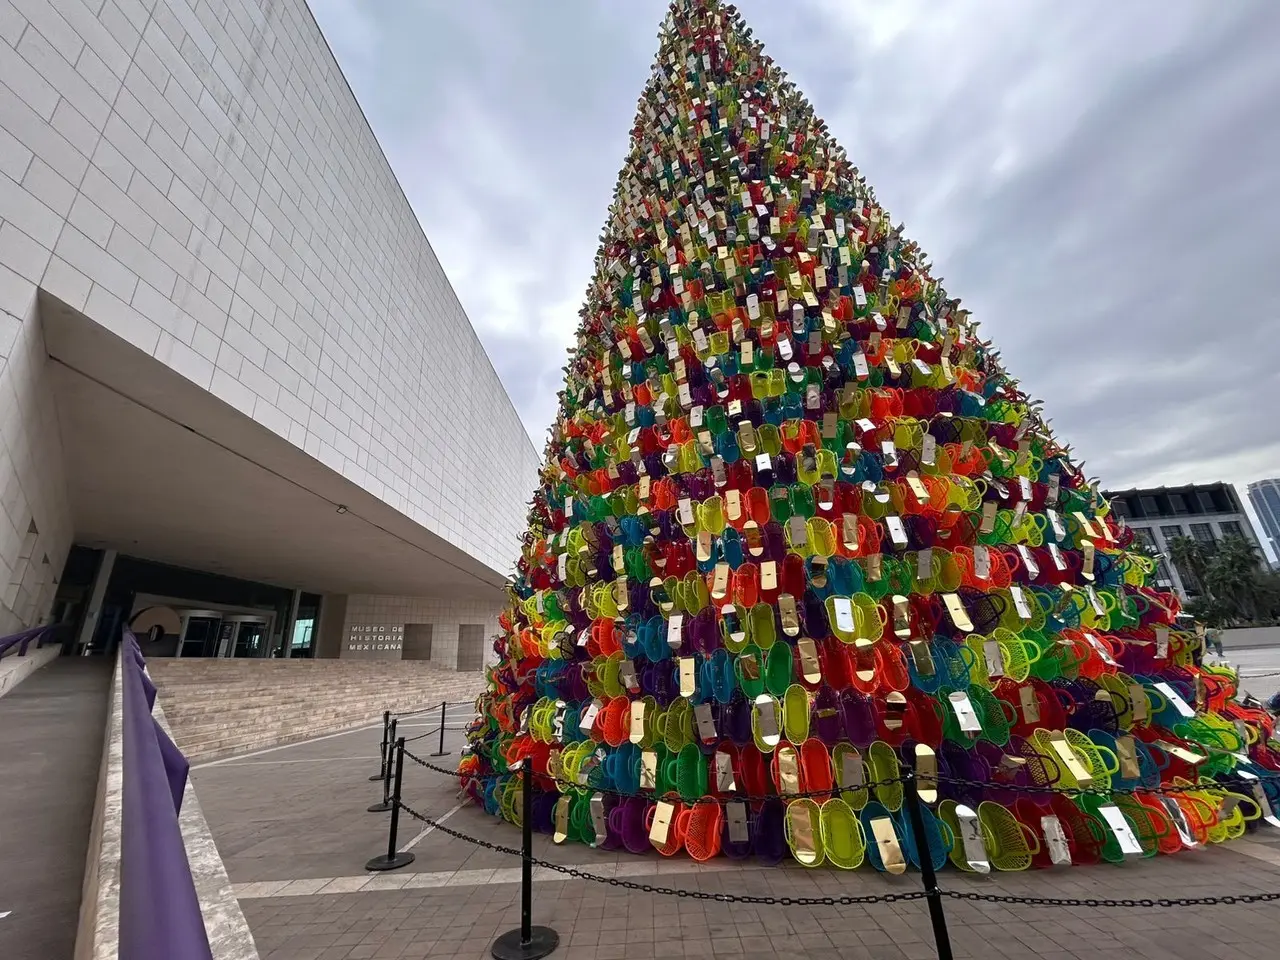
1203	533
1171	533
1149	506
1231	528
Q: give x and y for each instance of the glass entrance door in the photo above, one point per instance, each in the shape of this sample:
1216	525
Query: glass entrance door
250	638
200	635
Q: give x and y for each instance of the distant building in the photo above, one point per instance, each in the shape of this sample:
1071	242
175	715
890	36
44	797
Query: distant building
1206	512
1265	497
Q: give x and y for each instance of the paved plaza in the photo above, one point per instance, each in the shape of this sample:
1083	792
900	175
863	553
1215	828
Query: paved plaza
293	828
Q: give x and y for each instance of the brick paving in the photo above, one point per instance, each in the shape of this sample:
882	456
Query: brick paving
292	822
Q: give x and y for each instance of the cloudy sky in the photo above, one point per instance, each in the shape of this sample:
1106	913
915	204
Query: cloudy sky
1098	181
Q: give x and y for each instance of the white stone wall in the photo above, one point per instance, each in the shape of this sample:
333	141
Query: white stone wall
443	614
196	176
35	522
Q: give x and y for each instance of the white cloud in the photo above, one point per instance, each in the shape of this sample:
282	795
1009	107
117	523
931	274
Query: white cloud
1096	180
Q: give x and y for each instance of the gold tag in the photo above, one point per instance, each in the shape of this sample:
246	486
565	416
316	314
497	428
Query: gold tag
1128	755
630	680
688	676
988	517
674	626
685	511
830	424
637	721
982	561
736	812
706	723
1056	839
1028	561
922	656
965	714
1120	827
1030	704
796	530
1095	602
1089	551
865	663
661	823
1085	526
959	616
917	488
1138	698
995	660
851	770
843	609
887	841
849	531
589	716
809	663
1020	602
619	559
561	832
873	567
901	616
769	575
926	773
1068	758
704	546
895	708
733	504
648	770
720	581
924	564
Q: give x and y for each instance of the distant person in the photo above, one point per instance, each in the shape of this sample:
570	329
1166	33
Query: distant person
1213	637
1273	703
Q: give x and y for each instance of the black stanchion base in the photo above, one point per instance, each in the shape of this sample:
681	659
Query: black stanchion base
509	946
390	863
376	777
441	753
382	807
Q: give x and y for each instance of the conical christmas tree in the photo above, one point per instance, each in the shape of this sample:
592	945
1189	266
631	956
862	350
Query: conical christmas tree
799	531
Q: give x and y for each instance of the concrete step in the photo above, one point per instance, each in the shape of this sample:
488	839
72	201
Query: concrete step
194	728
393	698
221	708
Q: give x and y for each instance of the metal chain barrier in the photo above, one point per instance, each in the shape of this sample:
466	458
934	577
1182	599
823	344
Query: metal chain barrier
1162	902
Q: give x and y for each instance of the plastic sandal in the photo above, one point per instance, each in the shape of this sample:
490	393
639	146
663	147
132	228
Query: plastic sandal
804	832
842	837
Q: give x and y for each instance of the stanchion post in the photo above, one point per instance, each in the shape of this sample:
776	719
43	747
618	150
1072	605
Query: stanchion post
931	891
441	751
384	804
382	748
394	858
529	942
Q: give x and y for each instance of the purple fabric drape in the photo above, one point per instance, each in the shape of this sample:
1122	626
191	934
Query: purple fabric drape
159	910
